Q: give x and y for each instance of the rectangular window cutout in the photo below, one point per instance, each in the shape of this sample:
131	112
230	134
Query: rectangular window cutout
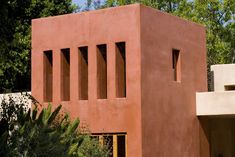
120	69
65	74
116	143
176	65
229	87
83	72
48	77
102	71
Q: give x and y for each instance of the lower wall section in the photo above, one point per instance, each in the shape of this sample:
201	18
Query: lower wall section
220	134
112	120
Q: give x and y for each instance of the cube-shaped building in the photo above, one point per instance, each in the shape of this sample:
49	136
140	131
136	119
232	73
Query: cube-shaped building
129	73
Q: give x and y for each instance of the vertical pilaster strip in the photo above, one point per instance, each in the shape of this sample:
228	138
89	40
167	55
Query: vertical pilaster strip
126	145
37	74
74	73
101	140
92	72
56	76
111	70
115	148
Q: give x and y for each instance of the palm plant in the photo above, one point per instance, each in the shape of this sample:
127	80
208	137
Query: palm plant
47	133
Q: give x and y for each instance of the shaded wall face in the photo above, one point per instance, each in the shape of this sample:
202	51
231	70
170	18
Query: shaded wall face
102	106
220	133
169	124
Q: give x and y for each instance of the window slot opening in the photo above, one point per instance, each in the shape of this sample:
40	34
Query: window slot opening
176	65
83	72
48	77
65	74
229	87
102	71
120	69
121	145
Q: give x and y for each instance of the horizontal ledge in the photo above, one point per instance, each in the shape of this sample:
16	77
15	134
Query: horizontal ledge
215	103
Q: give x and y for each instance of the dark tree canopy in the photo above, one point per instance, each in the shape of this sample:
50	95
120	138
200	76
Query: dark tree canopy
15	38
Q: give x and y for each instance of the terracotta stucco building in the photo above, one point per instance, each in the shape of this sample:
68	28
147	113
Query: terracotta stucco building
130	73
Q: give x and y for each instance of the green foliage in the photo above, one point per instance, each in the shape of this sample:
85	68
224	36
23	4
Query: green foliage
218	17
91	148
43	133
15	38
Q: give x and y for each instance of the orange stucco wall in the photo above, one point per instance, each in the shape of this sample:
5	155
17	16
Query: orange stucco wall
157	113
170	127
90	29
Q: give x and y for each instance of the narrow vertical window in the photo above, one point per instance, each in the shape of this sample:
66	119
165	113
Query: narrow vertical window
83	72
48	77
176	65
65	74
120	69
121	145
102	71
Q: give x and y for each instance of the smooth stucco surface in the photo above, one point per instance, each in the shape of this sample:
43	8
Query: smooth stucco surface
170	127
215	103
223	76
158	113
220	101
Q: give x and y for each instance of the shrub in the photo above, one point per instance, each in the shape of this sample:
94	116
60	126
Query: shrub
43	133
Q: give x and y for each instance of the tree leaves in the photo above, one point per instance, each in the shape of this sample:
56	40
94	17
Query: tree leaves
15	39
43	133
